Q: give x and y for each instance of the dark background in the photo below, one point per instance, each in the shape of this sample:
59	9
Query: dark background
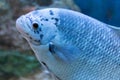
107	11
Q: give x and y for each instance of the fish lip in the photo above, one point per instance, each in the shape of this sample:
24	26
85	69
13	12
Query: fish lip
19	25
20	29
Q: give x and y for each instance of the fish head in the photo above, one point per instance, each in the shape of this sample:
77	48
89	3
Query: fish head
38	27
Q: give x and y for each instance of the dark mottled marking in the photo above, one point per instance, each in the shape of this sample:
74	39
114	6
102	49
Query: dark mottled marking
41	36
51	48
34	31
55	24
56	19
40	29
27	34
46	19
28	25
43	19
52	18
30	19
58	77
45	65
30	37
50	70
51	12
37	40
37	32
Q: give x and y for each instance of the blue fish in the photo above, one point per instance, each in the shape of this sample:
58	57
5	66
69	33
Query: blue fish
74	46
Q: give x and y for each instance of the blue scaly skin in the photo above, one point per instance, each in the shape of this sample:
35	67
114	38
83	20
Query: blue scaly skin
73	46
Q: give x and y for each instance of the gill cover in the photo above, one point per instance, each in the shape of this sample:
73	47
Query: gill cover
49	32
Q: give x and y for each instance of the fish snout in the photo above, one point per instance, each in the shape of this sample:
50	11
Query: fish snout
19	24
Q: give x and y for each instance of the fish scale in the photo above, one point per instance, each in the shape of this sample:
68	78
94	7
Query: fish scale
91	47
96	37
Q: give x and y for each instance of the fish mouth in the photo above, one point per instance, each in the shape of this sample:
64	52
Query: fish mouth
24	29
22	24
19	25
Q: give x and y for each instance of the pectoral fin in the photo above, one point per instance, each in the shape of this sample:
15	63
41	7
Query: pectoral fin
64	52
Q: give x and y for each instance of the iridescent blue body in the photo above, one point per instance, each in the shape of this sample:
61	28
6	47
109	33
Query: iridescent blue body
85	48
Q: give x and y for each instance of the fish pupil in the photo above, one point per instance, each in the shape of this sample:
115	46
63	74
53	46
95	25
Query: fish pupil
35	26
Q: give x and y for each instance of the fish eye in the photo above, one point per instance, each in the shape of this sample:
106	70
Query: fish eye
35	25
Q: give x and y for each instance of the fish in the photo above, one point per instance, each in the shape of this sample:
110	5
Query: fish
73	45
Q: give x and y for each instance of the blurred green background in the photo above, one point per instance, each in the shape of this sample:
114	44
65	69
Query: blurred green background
16	58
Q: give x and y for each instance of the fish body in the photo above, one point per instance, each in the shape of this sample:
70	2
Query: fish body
73	46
